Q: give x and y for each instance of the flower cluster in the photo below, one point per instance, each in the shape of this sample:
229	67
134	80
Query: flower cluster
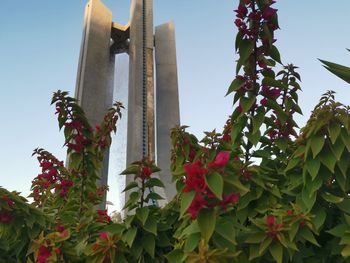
53	176
195	181
78	140
103	217
272	227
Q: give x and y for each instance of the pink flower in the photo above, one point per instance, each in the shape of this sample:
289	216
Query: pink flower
195	177
197	204
146	172
44	253
268	13
230	199
104	235
241	11
270	220
222	159
5	217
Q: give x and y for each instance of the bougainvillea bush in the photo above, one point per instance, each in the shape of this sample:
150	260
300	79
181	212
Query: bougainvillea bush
262	190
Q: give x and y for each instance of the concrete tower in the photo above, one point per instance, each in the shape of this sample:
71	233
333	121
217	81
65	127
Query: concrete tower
149	124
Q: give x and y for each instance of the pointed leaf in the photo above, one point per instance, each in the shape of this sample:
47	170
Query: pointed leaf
186	200
206	222
317	143
276	251
332	198
215	183
235	85
334	131
308	235
313	166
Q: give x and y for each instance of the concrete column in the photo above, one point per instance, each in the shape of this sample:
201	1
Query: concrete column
140	134
167	100
94	88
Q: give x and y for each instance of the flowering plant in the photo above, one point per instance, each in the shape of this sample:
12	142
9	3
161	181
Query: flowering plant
259	191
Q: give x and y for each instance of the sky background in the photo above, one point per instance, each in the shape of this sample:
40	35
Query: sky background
39	51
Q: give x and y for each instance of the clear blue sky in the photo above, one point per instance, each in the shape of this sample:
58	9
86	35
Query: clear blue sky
39	49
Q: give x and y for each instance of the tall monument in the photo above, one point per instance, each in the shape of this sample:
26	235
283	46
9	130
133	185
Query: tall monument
153	106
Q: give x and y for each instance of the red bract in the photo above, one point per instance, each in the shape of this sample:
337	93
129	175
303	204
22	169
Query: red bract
290	212
104	235
146	172
75	147
270	220
7	199
229	199
241	11
74	124
195	177
46	165
6	217
268	13
222	159
44	254
103	217
197	203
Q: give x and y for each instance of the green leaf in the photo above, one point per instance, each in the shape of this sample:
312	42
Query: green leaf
346	139
307	235
206	222
345	205
282	116
254	138
313	166
235	85
236	183
264	245
133	198
317	143
332	198
320	217
152	182
282	143
186	200
151	225
292	163
247	103
245	49
258	121
339	230
153	196
309	199
334	131
276	251
130	185
176	256
343	164
149	244
142	214
346	251
293	231
273	82
192	242
256	238
226	228
215	183
114	228
338	149
275	54
338	70
130	235
329	160
132	169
